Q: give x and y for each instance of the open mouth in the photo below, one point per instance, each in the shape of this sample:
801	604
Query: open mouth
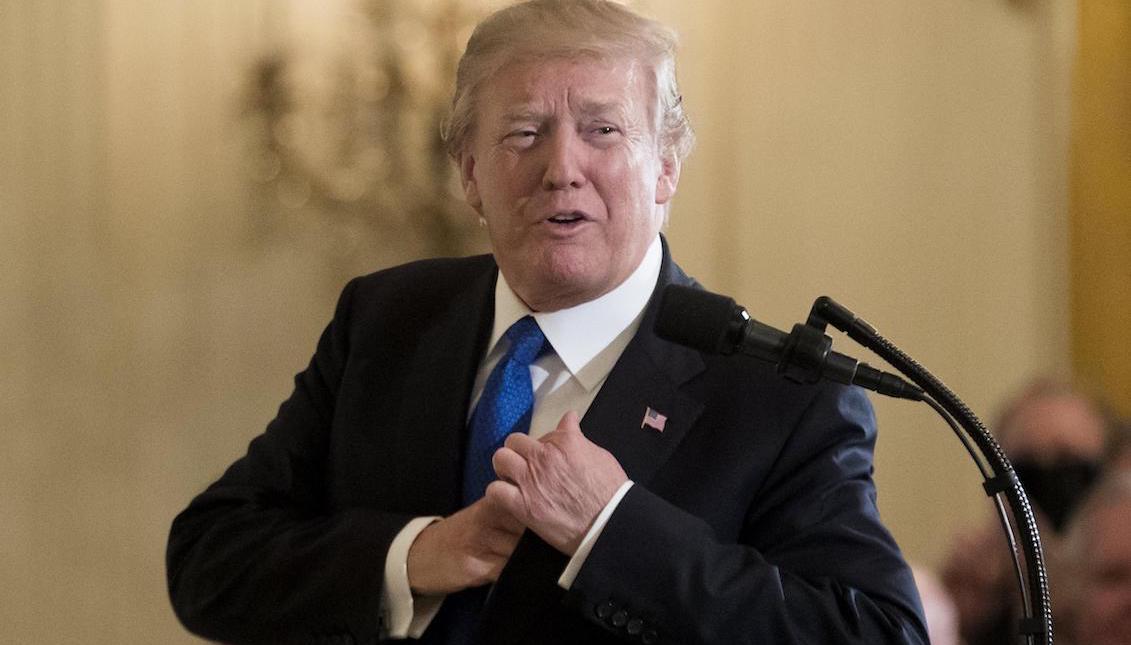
567	218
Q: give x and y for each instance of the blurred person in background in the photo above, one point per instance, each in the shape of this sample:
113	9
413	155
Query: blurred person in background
1119	445
1057	439
1097	582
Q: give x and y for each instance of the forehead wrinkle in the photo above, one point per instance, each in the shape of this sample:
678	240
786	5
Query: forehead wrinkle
523	112
595	108
628	107
582	109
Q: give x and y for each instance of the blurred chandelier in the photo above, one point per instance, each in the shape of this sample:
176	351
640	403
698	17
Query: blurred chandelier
357	138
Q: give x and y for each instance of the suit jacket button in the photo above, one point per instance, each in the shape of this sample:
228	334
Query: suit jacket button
619	619
634	626
606	609
649	637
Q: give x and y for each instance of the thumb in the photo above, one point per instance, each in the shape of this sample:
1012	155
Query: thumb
570	422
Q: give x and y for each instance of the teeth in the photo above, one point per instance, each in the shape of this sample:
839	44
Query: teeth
560	219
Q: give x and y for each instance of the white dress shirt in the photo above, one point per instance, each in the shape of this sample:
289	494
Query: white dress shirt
587	340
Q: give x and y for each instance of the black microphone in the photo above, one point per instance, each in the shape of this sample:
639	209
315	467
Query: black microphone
715	324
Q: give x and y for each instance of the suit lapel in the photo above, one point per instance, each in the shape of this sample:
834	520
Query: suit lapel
438	389
648	376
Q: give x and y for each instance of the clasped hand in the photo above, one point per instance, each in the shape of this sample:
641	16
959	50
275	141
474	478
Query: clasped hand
555	486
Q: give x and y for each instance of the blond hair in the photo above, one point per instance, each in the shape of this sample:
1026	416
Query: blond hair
569	29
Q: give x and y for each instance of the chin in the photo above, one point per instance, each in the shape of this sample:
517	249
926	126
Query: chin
562	262
562	285
558	276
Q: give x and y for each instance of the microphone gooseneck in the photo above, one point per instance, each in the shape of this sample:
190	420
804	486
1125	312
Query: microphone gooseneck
715	324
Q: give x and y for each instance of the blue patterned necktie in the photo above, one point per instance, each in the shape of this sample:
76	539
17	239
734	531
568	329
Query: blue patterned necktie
504	407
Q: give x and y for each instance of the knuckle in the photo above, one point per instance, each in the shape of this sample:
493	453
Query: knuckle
495	498
491	495
476	575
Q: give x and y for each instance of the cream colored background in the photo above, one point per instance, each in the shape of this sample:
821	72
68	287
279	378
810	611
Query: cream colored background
907	158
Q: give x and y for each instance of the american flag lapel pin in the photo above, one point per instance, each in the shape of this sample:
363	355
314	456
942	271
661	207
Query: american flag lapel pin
654	420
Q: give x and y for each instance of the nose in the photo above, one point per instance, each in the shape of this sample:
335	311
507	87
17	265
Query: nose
564	161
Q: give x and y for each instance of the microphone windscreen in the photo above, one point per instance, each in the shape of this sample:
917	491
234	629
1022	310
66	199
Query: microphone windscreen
696	318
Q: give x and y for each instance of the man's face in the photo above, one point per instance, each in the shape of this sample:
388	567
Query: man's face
1055	427
1104	606
565	166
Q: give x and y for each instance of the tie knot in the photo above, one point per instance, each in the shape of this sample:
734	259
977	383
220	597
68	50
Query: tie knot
526	339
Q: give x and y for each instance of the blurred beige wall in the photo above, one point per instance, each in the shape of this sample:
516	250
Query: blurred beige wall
908	159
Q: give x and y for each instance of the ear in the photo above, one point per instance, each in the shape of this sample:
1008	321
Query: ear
470	185
668	179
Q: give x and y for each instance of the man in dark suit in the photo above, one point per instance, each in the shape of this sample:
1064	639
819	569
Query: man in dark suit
510	422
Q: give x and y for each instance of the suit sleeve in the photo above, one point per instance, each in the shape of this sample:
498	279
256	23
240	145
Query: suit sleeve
255	558
813	563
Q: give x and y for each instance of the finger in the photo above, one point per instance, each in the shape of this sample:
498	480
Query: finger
508	497
568	432
499	517
521	443
510	525
509	465
568	427
569	422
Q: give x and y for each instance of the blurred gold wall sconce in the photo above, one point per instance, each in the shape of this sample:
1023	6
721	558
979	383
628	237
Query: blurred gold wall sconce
353	136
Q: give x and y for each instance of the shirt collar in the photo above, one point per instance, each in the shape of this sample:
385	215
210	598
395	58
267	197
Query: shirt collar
580	333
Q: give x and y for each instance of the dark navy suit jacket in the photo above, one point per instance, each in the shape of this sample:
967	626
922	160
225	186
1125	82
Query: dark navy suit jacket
752	520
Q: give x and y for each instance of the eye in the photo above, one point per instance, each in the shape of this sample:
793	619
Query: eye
521	138
605	130
523	133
